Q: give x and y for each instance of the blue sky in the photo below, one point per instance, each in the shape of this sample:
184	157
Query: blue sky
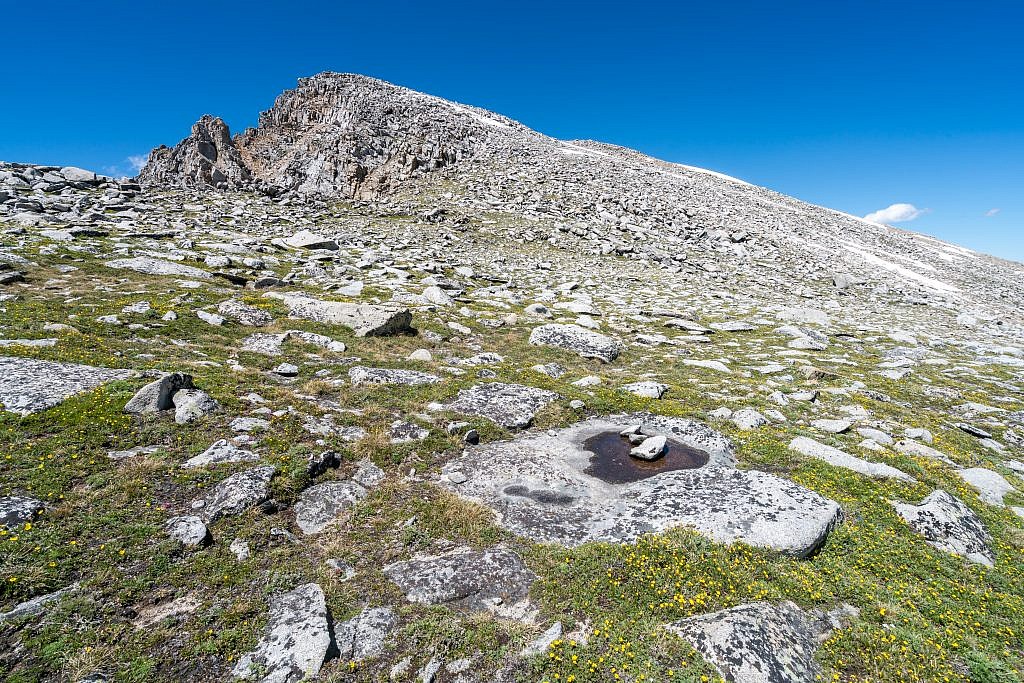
853	105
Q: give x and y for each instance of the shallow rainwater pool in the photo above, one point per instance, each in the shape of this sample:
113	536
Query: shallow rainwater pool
612	462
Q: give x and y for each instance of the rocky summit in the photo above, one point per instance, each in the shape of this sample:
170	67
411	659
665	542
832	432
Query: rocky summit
392	388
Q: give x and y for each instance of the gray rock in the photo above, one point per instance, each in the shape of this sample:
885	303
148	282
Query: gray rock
756	643
238	493
586	343
540	488
321	504
832	426
365	635
250	316
509	405
914	448
651	448
188	530
28	386
192	404
210	318
876	435
286	370
155	266
158	394
248	424
368	474
839	458
360	375
653	390
364	319
406	432
949	525
748	418
541	643
17	510
991	486
36	605
491	580
220	452
304	239
296	640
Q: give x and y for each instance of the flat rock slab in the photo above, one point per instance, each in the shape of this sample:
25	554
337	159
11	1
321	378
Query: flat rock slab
538	485
840	458
473	581
238	493
296	640
28	386
509	405
155	266
321	504
991	486
360	375
36	605
366	634
365	320
220	452
919	450
271	344
756	643
949	525
580	340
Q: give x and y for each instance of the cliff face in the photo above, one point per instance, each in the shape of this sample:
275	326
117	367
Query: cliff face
339	135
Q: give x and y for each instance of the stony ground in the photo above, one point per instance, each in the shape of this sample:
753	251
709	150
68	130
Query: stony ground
318	497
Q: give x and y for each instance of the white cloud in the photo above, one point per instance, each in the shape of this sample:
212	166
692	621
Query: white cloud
991	212
896	213
137	161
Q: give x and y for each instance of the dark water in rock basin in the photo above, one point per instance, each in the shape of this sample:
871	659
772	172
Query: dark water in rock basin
612	462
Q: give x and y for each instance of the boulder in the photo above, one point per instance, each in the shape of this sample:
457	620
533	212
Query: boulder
220	452
949	525
192	404
296	640
365	635
305	239
321	504
244	314
17	510
188	530
238	493
365	320
991	486
158	394
155	266
359	375
579	340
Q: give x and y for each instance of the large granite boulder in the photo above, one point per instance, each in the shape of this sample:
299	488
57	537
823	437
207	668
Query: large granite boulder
580	340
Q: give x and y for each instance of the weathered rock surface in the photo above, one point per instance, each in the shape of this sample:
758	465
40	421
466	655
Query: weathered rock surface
158	395
475	581
35	605
28	386
321	504
15	510
154	266
756	643
244	314
220	452
296	641
365	320
365	635
840	458
509	405
949	525
538	485
991	486
238	493
188	530
363	375
586	343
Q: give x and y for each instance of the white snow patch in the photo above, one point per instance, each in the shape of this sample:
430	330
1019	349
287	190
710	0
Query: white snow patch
487	121
932	283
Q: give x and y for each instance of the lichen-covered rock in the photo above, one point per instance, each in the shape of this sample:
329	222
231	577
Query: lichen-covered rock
839	458
580	340
540	487
238	493
188	530
365	320
949	525
475	581
28	386
15	510
244	314
296	640
321	504
192	404
366	634
359	375
220	452
509	405
154	266
756	643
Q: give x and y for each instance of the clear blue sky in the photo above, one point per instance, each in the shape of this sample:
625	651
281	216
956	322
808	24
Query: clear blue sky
855	105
